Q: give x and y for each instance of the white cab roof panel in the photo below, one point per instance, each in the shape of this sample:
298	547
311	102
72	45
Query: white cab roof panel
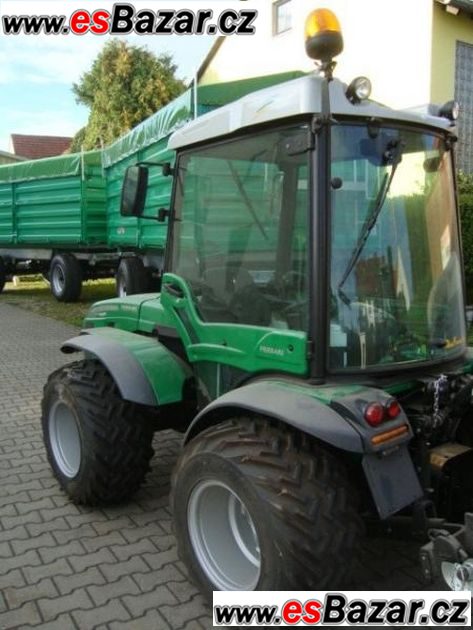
286	100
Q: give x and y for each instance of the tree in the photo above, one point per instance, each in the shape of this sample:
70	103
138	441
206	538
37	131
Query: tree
125	85
78	141
465	192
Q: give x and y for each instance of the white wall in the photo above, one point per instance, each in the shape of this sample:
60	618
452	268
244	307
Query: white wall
388	41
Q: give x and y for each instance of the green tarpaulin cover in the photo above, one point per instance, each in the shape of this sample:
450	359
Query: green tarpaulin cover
58	166
168	119
151	130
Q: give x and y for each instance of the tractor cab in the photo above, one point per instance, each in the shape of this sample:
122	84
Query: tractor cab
316	229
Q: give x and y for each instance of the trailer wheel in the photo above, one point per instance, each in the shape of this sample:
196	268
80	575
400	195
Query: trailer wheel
97	444
3	275
260	507
131	277
65	276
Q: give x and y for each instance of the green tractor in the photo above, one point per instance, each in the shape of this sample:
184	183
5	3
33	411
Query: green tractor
309	340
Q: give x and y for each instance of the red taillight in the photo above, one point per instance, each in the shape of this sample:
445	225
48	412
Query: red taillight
374	414
393	409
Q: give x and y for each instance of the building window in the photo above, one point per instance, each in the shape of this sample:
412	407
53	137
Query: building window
282	16
464	95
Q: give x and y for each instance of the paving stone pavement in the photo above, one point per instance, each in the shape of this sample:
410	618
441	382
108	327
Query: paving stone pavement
64	566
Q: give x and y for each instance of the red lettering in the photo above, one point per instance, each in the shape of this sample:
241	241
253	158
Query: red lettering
100	19
292	611
80	22
312	614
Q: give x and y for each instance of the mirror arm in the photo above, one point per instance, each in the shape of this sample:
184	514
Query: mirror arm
163	214
166	166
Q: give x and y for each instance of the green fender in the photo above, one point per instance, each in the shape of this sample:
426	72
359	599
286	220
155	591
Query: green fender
145	371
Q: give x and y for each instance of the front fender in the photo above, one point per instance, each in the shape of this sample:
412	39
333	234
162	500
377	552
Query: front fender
303	412
145	371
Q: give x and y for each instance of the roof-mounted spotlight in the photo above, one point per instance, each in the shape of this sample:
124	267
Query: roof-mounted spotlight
450	110
359	90
323	38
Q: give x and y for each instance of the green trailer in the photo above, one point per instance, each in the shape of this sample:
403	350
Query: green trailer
60	216
141	241
53	221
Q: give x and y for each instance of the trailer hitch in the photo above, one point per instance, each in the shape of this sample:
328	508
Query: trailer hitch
449	555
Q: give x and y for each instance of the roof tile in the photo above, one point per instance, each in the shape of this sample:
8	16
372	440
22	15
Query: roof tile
34	147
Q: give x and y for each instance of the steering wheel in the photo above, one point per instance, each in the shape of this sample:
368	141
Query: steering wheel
393	337
284	281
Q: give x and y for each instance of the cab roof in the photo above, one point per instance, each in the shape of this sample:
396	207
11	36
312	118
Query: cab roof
286	100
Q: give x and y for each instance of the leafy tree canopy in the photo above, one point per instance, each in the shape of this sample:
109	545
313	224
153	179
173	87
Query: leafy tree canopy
125	85
465	190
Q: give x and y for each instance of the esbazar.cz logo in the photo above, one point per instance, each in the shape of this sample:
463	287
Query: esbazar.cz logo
124	19
350	609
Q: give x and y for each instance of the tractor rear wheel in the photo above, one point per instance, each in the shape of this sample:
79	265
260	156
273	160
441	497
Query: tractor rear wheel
260	507
98	445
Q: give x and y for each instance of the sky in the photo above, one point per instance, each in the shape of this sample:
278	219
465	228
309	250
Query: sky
36	75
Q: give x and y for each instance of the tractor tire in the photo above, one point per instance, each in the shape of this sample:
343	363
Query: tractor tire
131	277
65	276
98	445
3	275
260	507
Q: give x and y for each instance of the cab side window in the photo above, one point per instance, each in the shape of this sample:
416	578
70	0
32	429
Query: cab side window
241	229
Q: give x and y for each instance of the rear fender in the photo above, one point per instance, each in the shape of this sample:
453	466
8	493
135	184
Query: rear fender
145	371
389	472
268	398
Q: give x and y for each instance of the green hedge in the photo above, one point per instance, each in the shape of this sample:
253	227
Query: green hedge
465	190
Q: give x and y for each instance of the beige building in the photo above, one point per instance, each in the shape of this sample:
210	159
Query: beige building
9	158
414	51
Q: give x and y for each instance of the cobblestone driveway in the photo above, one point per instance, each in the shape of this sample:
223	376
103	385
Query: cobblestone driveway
63	566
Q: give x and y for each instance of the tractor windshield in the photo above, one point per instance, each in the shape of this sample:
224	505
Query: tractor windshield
396	284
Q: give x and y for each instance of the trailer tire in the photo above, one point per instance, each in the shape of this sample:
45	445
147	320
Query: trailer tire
98	445
258	506
65	275
3	275
131	277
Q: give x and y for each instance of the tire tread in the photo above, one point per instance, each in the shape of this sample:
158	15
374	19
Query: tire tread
116	440
305	489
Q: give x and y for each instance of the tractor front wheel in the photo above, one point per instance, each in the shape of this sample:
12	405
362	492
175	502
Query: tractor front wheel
98	445
258	506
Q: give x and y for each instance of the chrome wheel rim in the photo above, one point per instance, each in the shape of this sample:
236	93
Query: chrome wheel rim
223	537
58	280
121	288
64	437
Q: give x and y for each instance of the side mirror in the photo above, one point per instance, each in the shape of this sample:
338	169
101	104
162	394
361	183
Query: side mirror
167	169
134	189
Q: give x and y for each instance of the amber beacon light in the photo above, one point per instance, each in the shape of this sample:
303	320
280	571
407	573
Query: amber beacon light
323	35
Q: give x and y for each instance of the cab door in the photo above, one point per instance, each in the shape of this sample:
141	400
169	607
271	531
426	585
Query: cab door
238	280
